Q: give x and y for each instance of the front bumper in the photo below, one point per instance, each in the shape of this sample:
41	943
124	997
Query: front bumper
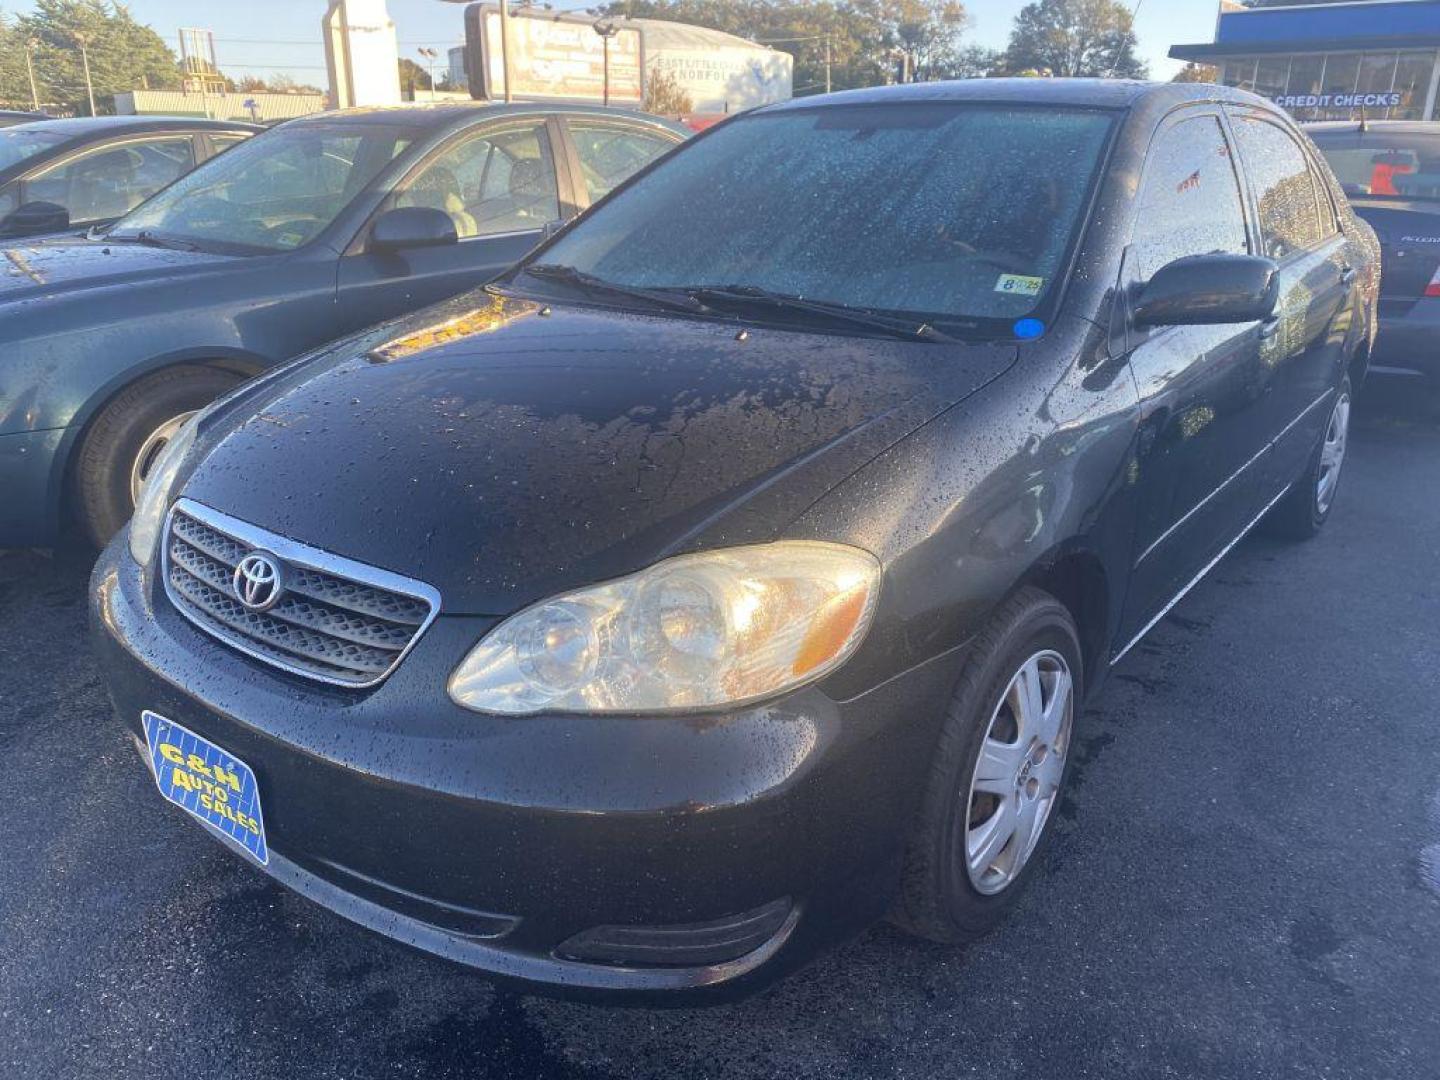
501	842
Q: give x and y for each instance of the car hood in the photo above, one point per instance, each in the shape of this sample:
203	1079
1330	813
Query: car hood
69	264
503	452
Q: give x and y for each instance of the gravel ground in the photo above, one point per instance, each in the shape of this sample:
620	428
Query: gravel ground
1245	880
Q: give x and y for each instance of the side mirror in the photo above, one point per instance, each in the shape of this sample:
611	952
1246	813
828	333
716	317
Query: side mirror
412	227
1208	289
34	218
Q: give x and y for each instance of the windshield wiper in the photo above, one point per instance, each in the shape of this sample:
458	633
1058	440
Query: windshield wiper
678	300
754	296
150	239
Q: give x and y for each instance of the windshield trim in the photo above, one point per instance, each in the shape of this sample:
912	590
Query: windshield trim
959	324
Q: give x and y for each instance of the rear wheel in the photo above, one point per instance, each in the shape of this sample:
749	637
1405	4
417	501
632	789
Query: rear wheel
1303	512
998	774
128	435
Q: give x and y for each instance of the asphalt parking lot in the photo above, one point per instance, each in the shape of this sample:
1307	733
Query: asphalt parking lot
1245	881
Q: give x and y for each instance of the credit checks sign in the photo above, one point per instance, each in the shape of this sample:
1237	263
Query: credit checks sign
1337	101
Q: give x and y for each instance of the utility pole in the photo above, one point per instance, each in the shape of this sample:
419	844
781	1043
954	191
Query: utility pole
31	44
505	46
85	59
827	63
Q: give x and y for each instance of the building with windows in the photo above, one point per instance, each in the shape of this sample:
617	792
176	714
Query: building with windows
1330	60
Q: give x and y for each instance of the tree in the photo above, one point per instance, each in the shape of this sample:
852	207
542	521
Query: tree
413	77
276	84
664	95
925	34
14	83
1094	38
124	54
977	62
1193	73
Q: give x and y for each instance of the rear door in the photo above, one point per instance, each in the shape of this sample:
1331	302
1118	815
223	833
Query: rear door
1304	347
1203	389
502	183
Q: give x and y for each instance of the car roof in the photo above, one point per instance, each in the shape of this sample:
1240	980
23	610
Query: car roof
441	114
1374	127
84	126
1083	93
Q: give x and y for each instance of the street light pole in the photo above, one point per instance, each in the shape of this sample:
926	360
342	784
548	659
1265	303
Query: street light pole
606	30
30	46
429	55
827	63
505	45
85	59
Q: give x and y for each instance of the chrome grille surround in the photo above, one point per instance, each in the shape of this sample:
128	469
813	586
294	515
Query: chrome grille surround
339	621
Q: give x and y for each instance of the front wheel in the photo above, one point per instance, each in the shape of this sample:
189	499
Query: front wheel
998	775
1304	511
127	436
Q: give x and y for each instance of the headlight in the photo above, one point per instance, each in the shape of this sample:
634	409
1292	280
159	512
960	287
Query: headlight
149	514
693	632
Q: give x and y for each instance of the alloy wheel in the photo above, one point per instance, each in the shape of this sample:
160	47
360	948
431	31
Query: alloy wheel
1016	782
1332	454
150	450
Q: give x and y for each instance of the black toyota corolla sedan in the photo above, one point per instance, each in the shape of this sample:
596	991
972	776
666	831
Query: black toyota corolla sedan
733	572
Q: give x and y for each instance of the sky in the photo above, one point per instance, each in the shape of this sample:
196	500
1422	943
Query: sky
268	37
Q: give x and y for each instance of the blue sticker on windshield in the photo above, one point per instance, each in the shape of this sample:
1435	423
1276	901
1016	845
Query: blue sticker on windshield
1029	329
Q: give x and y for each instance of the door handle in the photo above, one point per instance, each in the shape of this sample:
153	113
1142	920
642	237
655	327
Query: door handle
1347	275
1269	327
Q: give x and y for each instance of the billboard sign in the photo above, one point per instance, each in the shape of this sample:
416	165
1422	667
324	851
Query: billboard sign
553	57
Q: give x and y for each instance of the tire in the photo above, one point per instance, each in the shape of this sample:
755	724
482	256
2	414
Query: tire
941	897
133	423
1302	513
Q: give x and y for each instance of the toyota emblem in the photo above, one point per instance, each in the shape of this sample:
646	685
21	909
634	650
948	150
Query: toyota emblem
258	582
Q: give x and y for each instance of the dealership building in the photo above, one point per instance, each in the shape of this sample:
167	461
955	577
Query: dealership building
1330	61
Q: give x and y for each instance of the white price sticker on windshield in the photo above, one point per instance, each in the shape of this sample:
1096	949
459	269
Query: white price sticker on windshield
1020	285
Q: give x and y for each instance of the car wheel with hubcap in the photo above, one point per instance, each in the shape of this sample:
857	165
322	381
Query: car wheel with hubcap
1304	510
998	775
128	435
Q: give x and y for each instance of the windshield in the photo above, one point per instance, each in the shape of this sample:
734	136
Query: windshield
270	193
19	143
1384	166
942	210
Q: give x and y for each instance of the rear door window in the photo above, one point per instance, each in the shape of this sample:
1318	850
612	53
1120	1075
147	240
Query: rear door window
609	152
1190	202
1285	187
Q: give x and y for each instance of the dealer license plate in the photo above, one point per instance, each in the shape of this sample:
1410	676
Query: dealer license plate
207	783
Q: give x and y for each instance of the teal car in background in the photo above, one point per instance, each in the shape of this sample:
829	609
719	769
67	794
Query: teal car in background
314	229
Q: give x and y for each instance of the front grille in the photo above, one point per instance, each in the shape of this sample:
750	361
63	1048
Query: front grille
336	620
